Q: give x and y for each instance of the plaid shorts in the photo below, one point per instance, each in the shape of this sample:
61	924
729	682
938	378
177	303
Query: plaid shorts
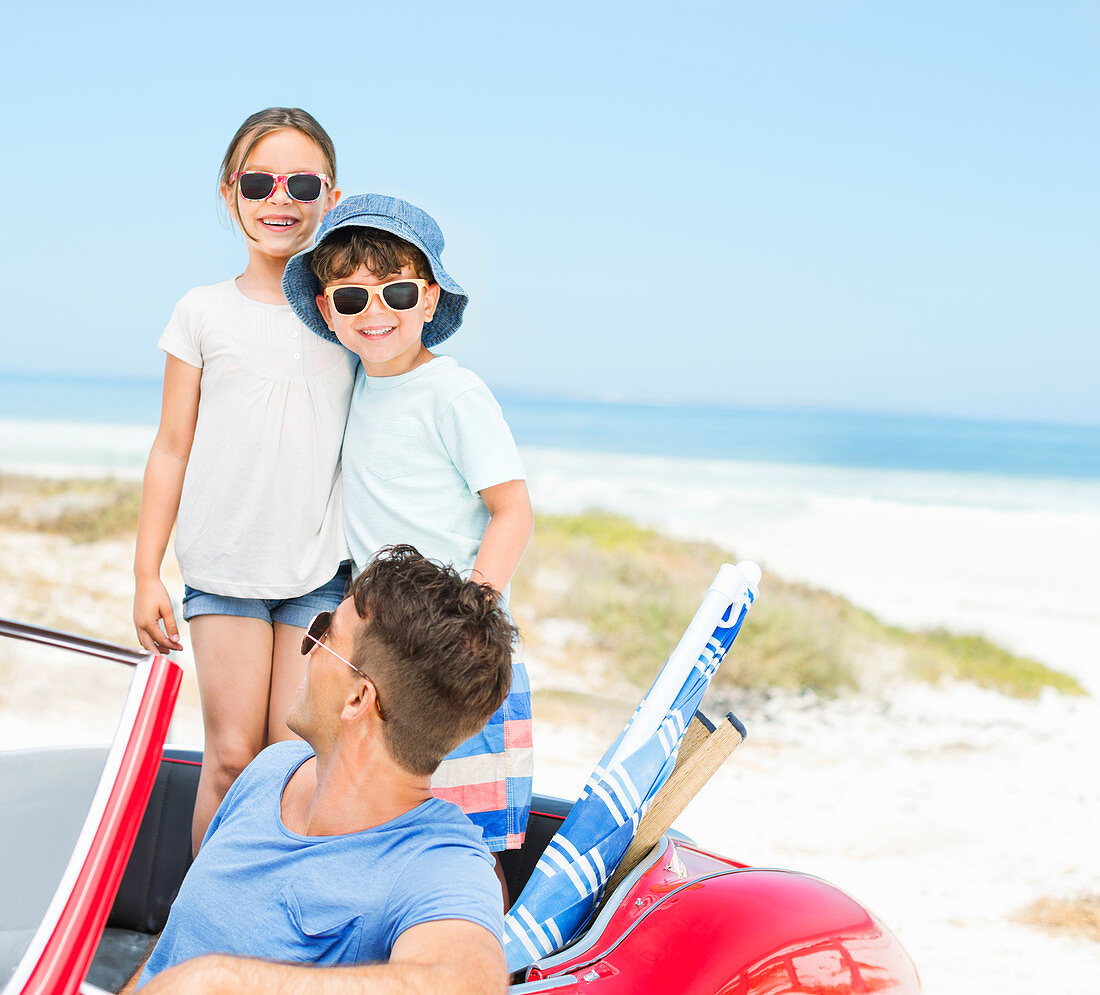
489	776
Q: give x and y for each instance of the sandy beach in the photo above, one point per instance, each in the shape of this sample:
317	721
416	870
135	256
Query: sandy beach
949	810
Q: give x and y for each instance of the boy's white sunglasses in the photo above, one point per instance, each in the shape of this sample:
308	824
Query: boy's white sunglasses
397	295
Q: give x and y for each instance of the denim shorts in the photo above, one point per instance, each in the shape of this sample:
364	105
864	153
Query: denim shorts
297	611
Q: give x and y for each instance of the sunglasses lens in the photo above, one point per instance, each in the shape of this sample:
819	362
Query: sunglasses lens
401	296
256	186
316	631
304	187
350	300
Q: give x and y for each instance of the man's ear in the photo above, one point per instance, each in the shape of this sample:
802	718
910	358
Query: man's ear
326	313
359	702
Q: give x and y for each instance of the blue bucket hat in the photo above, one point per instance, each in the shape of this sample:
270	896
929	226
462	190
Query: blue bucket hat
400	218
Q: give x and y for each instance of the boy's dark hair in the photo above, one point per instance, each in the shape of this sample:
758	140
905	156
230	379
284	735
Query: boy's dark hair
346	249
437	647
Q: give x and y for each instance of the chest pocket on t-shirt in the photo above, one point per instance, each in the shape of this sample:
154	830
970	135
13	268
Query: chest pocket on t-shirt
394	449
311	932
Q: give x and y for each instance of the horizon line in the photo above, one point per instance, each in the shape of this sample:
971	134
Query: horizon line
618	399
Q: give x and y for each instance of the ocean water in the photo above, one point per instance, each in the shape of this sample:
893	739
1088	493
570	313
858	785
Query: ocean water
827	439
820	438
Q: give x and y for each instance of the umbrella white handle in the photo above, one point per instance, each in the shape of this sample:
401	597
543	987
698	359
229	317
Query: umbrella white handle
731	586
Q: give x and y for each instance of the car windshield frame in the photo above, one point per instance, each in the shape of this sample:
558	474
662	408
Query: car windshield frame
59	954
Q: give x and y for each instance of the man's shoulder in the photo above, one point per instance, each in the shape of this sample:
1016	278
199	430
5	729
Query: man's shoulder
440	831
447	815
277	760
285	751
448	873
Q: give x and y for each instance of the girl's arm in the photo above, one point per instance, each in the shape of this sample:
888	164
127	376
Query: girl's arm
160	501
511	523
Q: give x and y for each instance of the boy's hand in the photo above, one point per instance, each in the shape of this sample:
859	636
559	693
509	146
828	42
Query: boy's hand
153	618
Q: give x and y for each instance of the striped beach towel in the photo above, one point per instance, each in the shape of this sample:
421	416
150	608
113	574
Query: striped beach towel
489	776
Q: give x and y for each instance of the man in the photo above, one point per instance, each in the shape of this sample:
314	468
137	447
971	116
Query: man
333	851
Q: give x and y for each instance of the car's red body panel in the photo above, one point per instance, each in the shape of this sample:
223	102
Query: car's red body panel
698	924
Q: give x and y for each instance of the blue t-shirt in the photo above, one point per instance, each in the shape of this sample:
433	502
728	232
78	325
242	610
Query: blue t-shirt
258	890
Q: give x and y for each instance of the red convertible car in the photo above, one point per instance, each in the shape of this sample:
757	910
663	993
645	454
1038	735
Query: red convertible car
94	841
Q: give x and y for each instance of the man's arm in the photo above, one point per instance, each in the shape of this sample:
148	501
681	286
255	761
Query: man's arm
448	957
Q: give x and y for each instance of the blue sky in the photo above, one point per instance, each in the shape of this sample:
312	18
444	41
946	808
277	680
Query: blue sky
885	206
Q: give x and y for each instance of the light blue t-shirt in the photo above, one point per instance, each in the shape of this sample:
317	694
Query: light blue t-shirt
258	890
417	449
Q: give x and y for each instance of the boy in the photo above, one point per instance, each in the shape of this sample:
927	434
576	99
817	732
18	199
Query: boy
428	458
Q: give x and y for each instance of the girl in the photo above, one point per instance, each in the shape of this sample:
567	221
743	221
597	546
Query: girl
248	456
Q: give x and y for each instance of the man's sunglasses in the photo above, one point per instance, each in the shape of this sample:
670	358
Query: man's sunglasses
315	635
397	295
302	187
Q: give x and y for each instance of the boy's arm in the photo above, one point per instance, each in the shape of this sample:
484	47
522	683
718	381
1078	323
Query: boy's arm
511	522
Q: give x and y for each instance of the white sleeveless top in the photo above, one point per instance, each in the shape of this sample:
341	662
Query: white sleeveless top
261	510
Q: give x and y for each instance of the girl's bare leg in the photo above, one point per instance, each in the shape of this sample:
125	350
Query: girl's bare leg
233	662
288	669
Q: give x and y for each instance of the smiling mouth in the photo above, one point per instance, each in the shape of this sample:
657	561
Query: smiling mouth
279	223
376	333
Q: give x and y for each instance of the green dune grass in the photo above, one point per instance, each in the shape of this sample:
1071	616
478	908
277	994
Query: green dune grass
628	592
635	590
82	510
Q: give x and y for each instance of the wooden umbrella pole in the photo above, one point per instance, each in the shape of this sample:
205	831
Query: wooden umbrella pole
702	752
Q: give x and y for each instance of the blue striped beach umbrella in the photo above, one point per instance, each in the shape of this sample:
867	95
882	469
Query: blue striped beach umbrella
567	882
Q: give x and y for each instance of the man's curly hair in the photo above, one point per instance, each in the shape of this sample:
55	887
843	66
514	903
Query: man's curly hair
437	647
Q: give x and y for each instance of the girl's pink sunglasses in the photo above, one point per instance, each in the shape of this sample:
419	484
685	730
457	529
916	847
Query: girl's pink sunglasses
255	184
